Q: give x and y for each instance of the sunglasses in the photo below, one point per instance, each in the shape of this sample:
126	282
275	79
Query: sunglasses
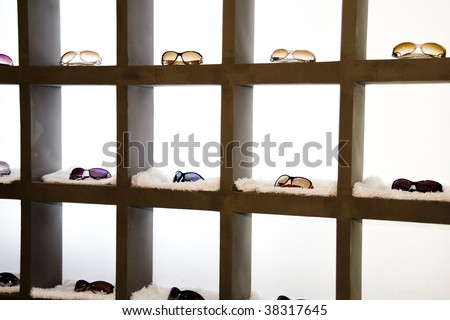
187	57
177	294
429	49
4	169
5	60
420	186
186	177
286	181
94	173
86	58
281	55
101	287
8	280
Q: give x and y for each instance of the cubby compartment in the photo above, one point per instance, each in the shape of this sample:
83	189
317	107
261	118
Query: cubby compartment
298	25
292	136
84	131
409	143
80	245
419	24
10	218
9	40
10	131
186	251
293	256
183	134
405	261
83	29
183	27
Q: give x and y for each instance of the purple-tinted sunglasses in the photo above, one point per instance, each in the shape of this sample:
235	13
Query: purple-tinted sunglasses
186	177
5	60
94	173
421	186
4	169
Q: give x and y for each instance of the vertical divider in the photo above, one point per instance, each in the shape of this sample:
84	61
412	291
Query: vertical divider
351	129
236	127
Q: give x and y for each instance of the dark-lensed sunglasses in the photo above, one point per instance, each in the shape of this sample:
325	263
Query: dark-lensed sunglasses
94	173
7	279
4	169
187	57
5	60
420	186
101	287
186	177
286	181
177	294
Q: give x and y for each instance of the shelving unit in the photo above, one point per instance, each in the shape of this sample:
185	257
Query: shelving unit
134	76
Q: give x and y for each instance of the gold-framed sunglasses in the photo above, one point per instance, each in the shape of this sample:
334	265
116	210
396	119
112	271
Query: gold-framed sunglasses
187	58
80	58
283	55
410	50
286	181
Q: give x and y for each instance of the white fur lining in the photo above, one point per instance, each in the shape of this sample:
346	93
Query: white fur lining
375	187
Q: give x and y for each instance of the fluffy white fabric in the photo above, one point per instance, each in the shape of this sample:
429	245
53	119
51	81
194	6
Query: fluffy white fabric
9	290
151	292
10	178
154	178
62	176
65	291
375	187
321	187
154	292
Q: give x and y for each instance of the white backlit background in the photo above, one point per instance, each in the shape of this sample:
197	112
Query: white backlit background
405	136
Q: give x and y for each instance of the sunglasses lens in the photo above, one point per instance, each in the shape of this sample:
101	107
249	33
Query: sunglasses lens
281	181
279	54
192	176
301	183
191	57
101	287
4	168
169	57
428	186
90	56
8	279
5	60
76	174
433	49
304	55
403	48
178	176
81	286
68	56
401	184
98	173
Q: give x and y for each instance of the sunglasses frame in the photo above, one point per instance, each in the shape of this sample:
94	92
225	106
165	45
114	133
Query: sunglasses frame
82	177
411	54
11	279
96	287
181	176
291	185
2	55
415	184
180	54
5	171
78	63
293	59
